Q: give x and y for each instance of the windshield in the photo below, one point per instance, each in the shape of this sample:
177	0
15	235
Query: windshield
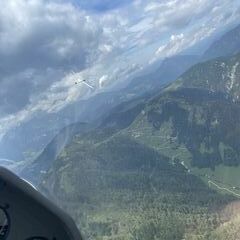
125	114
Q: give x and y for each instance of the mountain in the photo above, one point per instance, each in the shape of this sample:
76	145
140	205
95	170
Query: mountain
169	69
198	113
227	45
34	169
196	117
219	75
31	137
145	172
117	188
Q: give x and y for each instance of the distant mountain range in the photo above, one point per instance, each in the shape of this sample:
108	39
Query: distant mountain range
168	71
227	45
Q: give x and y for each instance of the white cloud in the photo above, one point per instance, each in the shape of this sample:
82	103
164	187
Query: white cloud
103	80
221	14
36	33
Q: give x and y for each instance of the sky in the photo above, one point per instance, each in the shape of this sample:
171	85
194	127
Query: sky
46	45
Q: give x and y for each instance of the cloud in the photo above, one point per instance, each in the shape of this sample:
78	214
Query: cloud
59	95
43	39
103	80
220	15
40	34
101	5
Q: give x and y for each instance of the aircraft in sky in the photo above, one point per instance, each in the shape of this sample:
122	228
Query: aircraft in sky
84	82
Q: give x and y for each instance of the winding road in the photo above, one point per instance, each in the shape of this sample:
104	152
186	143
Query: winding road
223	188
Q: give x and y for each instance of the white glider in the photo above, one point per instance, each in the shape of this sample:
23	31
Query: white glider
85	82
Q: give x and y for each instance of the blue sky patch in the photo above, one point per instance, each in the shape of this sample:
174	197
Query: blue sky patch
101	5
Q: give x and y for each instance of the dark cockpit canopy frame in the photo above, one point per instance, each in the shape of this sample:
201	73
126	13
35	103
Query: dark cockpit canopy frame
29	215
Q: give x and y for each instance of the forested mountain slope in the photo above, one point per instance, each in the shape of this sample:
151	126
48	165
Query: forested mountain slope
132	177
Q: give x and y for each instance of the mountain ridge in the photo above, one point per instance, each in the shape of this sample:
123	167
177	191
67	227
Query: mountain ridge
228	44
